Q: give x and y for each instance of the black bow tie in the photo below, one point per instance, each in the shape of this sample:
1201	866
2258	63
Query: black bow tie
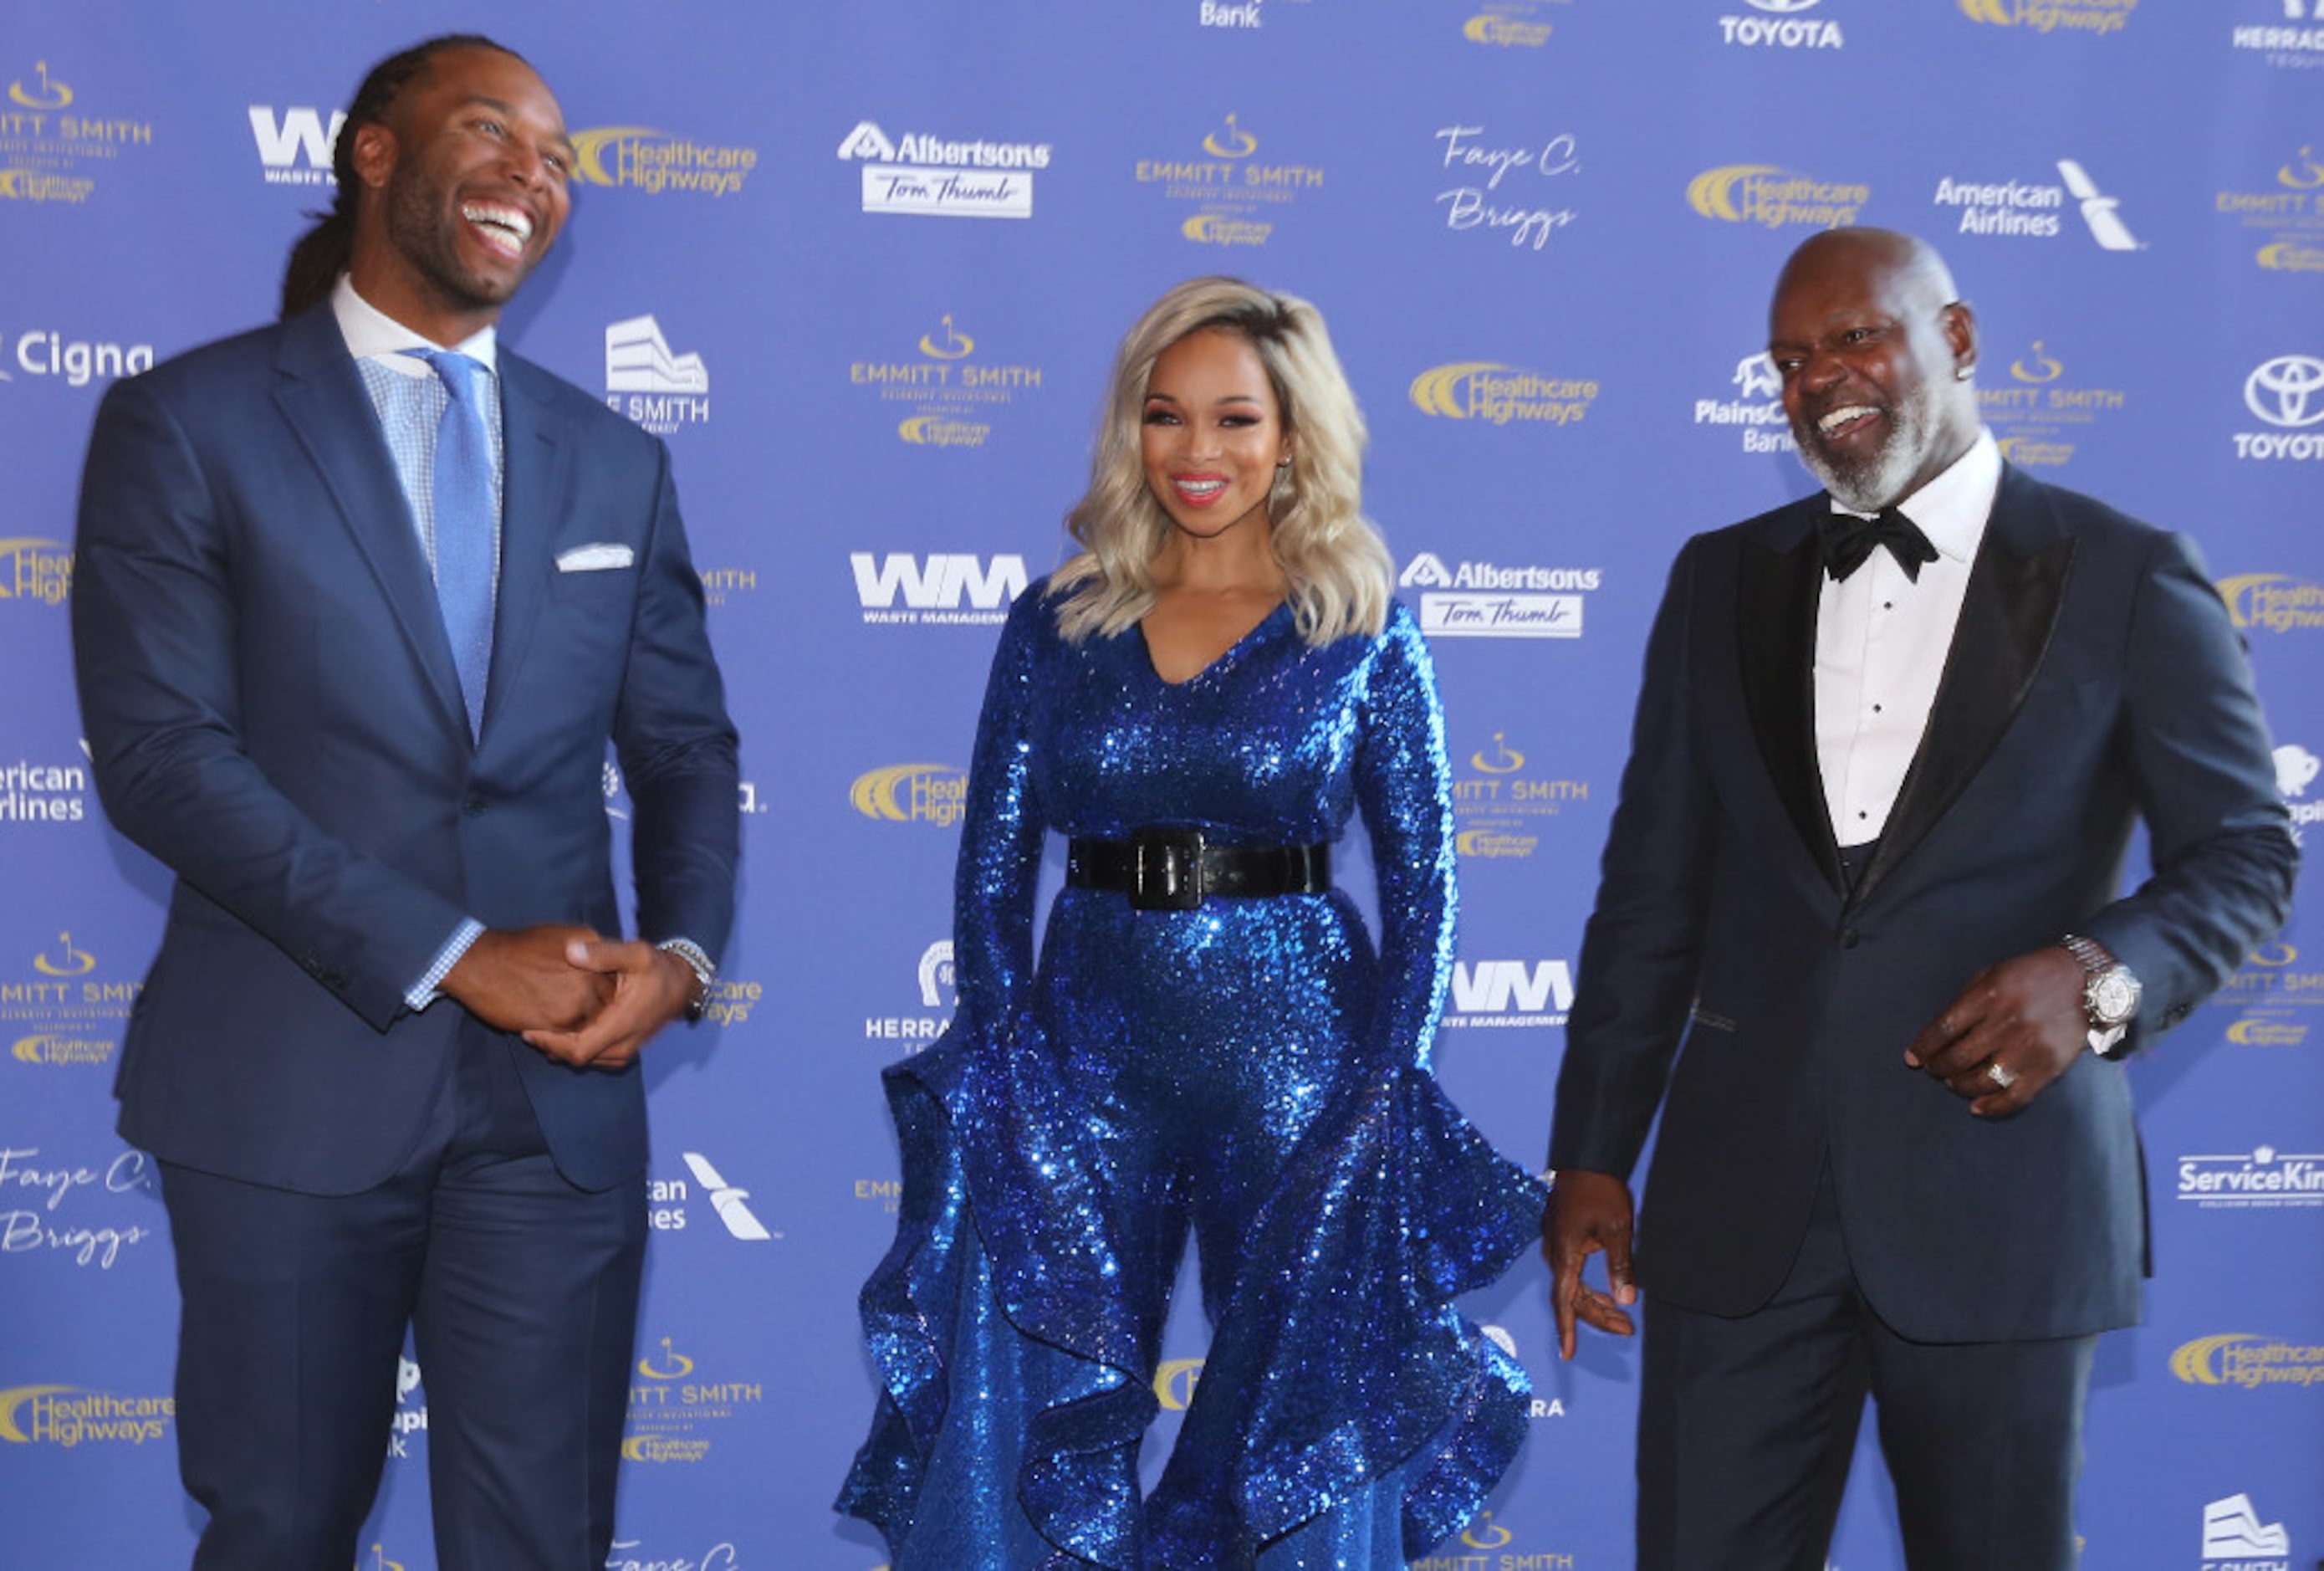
1849	539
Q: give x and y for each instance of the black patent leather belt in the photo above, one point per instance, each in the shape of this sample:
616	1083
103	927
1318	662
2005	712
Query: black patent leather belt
1172	870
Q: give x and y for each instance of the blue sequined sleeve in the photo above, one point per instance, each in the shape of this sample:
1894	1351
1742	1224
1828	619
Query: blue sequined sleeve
995	881
1404	791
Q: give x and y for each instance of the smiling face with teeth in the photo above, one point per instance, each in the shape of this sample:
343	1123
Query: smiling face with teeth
1211	433
1875	353
464	192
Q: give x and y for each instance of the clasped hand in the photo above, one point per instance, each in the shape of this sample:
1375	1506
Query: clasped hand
2017	1026
583	1000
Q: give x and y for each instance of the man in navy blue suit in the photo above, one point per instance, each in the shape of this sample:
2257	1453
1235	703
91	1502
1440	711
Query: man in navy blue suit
1890	747
360	601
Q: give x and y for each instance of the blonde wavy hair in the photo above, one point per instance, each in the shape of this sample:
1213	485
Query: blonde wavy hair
1338	567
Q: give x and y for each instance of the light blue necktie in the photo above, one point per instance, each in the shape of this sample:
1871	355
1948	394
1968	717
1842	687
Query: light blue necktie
465	523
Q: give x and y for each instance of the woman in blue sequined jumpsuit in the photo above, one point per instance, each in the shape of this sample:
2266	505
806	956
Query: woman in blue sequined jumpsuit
1224	656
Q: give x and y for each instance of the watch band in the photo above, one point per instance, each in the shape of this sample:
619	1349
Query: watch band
706	972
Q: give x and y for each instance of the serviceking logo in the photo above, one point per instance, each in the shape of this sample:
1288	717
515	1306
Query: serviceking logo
933	176
2096	17
1487	600
295	146
2026	210
1510	993
1483	162
940	589
2236	1539
651	385
1774	198
1780	24
2288	393
2248	1361
667	1198
1756	411
2262	1178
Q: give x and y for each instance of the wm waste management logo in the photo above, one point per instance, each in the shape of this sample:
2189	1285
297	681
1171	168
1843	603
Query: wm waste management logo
295	146
2236	1539
2248	1361
1778	199
943	588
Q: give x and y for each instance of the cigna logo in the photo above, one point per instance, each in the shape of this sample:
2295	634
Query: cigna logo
911	793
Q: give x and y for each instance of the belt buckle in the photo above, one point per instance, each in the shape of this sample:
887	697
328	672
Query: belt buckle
1166	869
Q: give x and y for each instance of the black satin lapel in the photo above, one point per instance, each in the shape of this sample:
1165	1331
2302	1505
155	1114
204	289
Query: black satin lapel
321	395
2015	587
1775	635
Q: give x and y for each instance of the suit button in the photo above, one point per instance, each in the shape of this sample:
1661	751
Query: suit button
473	805
1848	938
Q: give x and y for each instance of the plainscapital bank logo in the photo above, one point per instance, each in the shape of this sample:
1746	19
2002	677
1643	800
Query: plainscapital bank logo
295	146
933	177
934	976
1774	198
1228	185
2291	47
2236	1539
911	793
2033	209
2250	1361
2092	16
942	588
2295	772
2288	221
1781	24
1509	992
66	1415
667	1200
648	384
50	144
640	159
1484	205
2262	1178
673	1414
1486	600
1756	411
1498	808
1235	14
1511	23
951	395
2039	408
1493	392
2286	393
44	1205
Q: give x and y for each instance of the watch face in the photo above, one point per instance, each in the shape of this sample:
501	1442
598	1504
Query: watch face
2113	996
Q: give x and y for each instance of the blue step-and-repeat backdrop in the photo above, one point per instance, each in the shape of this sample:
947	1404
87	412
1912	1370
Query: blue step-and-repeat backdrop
863	266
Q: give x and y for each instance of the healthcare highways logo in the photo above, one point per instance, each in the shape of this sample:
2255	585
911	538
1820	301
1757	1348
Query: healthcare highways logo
1774	198
2096	18
2248	1363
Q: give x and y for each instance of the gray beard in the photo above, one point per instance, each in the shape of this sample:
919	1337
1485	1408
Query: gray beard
1871	486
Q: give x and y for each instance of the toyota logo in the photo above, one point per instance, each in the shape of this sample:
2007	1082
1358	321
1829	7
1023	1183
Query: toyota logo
2287	390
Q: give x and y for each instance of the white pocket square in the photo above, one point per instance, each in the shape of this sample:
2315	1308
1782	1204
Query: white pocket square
594	558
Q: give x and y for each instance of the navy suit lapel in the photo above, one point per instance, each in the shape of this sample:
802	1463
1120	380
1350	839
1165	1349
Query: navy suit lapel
2016	588
539	470
322	398
1774	627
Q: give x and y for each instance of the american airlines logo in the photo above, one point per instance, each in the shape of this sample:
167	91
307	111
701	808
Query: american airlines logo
1510	993
732	1204
295	146
942	588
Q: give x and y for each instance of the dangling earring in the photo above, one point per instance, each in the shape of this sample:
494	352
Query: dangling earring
1963	372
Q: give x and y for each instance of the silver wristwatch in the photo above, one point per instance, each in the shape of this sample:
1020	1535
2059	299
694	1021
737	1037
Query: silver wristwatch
2110	989
697	961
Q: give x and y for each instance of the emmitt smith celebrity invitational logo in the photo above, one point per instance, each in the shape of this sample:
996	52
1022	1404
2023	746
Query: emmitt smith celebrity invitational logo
2289	220
50	134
